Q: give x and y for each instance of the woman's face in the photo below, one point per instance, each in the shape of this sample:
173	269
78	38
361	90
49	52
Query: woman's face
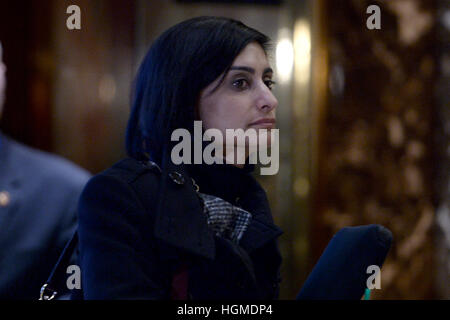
244	99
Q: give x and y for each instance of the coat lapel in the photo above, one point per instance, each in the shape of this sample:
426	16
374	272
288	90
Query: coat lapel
179	220
181	223
259	232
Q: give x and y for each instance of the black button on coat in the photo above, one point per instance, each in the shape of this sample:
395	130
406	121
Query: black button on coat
137	225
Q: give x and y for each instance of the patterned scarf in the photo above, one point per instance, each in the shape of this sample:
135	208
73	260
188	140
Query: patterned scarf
224	219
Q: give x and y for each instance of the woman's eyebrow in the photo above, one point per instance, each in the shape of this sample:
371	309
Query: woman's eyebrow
241	68
250	70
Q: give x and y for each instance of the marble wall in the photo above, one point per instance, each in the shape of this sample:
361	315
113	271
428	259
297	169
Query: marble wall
442	142
377	159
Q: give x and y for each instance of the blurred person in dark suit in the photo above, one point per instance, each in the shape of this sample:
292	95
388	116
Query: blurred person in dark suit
38	197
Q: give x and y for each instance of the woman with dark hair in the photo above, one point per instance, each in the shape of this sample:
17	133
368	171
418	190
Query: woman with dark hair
153	229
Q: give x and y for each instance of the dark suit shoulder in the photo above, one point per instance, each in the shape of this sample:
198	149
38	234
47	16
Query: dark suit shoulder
50	167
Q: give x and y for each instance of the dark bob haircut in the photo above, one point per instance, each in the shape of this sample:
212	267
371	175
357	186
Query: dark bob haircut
181	62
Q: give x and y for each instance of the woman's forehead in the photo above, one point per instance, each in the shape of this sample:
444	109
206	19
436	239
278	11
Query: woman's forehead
252	56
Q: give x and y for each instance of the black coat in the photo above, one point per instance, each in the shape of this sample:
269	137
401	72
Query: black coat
133	238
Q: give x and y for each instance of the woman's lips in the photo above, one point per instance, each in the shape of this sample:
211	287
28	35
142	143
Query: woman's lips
266	123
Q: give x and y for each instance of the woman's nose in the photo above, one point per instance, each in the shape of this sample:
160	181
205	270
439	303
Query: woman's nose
266	100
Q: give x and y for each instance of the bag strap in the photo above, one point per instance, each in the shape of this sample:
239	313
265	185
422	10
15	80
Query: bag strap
48	290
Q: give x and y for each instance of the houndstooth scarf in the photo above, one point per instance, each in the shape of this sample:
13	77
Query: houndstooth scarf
224	219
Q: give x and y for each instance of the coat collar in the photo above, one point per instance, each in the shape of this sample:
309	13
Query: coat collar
180	221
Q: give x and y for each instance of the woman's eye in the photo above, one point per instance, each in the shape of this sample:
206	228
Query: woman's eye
270	84
241	84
